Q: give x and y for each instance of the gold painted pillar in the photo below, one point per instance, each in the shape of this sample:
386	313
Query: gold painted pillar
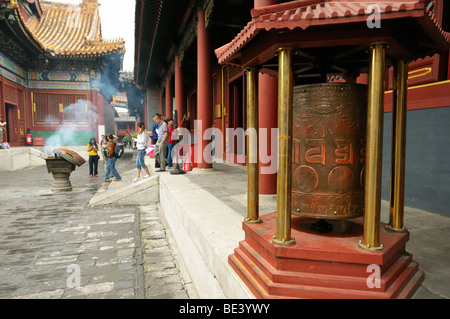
399	110
285	121
374	147
252	147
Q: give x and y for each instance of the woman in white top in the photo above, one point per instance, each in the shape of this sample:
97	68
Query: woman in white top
142	142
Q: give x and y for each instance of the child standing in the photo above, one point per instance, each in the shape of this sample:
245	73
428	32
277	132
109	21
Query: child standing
93	148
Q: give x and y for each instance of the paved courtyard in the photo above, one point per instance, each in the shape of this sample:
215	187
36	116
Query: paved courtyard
55	246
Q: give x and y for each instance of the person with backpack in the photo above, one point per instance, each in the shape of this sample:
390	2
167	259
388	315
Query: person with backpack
142	142
111	166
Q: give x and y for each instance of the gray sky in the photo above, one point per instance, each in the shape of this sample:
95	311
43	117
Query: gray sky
117	18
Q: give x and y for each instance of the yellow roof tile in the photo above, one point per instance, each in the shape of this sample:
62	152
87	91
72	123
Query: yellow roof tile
68	29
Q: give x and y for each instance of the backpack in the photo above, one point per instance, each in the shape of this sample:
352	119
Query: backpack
118	150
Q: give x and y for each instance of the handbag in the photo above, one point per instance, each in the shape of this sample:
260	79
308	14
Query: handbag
150	151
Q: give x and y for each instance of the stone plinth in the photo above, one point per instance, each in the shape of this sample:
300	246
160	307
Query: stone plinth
323	266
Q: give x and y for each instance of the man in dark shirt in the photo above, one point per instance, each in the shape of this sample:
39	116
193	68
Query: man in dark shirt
155	137
155	133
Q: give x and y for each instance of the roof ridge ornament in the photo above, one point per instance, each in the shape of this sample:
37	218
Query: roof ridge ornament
90	6
13	4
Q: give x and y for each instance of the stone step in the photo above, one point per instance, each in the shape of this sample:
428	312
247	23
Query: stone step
127	192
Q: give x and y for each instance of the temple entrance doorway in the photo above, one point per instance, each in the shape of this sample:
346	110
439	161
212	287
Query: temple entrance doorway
12	128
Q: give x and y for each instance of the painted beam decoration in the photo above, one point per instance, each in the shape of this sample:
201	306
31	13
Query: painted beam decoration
42	79
61	80
9	65
11	71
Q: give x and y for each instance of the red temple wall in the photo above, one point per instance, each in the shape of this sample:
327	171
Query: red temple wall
13	111
18	108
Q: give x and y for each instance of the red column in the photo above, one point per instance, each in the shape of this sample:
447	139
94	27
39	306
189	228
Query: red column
161	106
169	99
448	75
268	119
145	114
3	105
204	90
179	91
93	110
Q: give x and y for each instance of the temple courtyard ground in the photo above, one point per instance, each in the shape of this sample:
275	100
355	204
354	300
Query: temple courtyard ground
58	246
48	239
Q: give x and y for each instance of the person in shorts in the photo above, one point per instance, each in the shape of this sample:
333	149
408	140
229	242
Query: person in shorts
142	142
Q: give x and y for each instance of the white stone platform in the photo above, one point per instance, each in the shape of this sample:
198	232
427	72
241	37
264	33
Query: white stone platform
22	157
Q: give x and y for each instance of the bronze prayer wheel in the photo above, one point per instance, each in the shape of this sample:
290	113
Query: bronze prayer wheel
328	153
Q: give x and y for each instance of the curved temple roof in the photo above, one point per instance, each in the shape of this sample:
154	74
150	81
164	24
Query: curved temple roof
304	14
71	30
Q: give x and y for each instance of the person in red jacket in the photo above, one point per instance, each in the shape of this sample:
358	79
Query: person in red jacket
170	142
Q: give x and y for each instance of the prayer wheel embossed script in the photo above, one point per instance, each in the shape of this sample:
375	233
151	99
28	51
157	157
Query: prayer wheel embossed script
329	130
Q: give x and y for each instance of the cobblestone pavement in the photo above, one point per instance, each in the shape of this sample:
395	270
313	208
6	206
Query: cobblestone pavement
55	246
162	275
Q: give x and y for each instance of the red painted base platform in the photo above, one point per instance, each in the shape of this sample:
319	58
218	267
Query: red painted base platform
323	266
